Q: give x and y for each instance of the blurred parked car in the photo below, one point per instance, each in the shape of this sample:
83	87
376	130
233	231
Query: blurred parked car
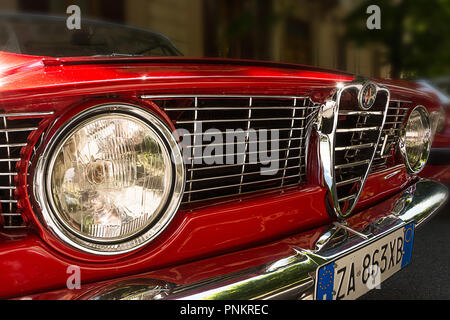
111	186
48	36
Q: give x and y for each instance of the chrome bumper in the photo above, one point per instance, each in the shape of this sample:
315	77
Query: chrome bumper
292	276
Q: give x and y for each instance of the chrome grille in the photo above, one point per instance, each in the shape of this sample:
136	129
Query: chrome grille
384	157
357	138
206	181
15	129
386	149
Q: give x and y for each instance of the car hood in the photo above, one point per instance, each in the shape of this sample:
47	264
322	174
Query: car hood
21	73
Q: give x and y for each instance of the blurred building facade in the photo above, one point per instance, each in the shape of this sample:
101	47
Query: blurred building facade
296	31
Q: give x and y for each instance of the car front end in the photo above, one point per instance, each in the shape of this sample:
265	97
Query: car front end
178	178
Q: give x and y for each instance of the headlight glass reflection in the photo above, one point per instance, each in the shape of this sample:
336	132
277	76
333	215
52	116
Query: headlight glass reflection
110	178
417	139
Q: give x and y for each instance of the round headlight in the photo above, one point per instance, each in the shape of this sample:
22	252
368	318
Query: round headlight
111	180
415	141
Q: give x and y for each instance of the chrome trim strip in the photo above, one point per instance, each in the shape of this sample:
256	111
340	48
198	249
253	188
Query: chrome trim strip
239	120
10	160
241	184
389	130
230	96
401	101
395	123
233	143
343	183
232	108
398	108
242	174
26	114
357	129
245	131
359	113
289	185
401	115
350	197
292	276
236	165
356	147
352	164
13	145
18	129
240	154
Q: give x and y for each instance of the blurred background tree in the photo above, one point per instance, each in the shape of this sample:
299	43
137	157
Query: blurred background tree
414	41
416	34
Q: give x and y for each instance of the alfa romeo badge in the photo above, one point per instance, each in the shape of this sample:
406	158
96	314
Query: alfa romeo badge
367	96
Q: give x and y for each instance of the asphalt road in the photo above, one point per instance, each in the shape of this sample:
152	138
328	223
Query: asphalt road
428	276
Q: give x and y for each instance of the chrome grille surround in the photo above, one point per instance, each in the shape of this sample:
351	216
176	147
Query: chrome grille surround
291	115
348	143
15	130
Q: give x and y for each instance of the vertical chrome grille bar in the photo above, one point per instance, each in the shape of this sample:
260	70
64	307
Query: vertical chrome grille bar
305	113
294	109
397	113
247	137
194	148
8	150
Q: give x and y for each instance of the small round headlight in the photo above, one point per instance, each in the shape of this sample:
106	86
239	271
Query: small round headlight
415	140
112	179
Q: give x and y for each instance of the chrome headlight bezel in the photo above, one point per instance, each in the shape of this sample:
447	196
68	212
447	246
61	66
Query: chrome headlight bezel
42	181
419	165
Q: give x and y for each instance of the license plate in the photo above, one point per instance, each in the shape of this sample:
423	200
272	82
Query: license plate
365	269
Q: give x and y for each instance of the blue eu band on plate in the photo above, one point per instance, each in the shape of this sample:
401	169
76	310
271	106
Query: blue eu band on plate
357	273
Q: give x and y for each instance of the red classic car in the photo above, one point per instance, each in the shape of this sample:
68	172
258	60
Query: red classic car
127	177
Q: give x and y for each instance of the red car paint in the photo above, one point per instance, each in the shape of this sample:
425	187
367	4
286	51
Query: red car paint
235	261
34	260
